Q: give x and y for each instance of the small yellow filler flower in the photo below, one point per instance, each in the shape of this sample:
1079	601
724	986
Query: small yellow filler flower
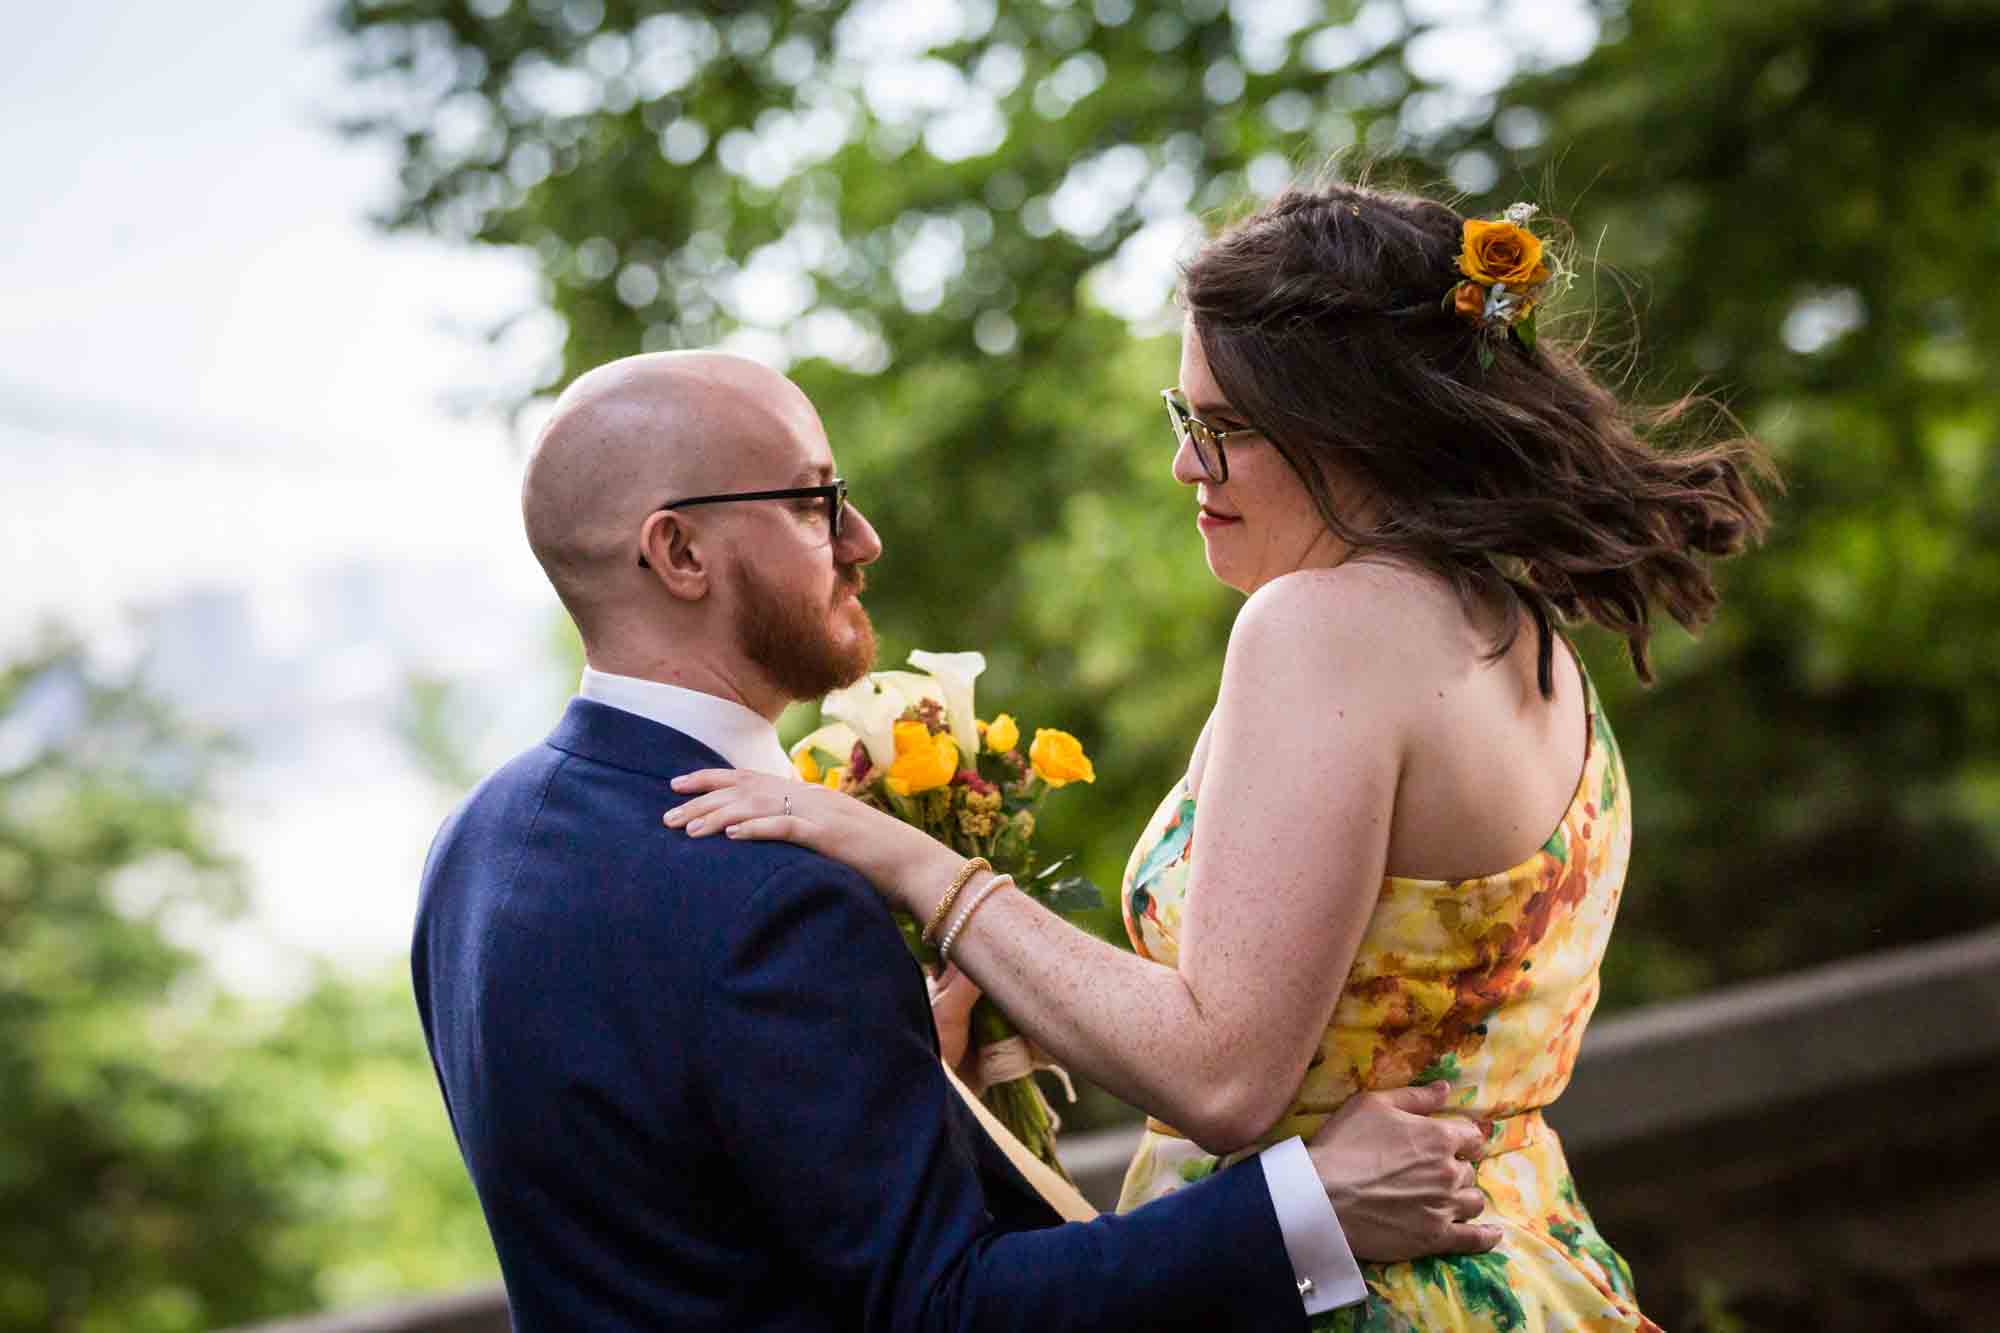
1002	734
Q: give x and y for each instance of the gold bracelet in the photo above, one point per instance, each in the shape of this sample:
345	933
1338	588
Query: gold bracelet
985	892
965	872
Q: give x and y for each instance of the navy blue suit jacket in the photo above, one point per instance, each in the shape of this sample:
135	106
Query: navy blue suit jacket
696	1084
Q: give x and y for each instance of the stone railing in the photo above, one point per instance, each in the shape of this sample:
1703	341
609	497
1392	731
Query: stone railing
1811	1152
478	1310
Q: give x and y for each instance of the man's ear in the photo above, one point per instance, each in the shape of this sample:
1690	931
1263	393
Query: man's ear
669	548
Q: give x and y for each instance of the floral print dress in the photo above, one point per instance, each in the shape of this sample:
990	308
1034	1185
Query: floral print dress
1486	983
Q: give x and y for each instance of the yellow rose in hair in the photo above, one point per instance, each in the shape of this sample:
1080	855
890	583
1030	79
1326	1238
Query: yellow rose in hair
923	762
1059	759
803	761
1502	252
1002	734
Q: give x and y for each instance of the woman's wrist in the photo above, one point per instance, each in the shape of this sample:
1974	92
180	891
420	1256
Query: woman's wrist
926	876
962	914
942	912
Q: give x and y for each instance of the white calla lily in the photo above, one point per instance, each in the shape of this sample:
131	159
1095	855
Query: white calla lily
955	672
836	738
914	686
870	708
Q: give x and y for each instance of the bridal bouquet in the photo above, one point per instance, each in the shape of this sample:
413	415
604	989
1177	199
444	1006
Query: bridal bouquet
909	743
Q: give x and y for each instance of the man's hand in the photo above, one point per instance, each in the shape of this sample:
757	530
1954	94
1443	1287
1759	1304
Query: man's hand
952	996
1401	1177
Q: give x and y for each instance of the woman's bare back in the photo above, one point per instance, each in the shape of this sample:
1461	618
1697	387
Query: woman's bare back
1489	766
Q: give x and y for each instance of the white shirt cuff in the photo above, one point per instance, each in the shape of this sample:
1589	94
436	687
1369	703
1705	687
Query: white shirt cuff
1327	1275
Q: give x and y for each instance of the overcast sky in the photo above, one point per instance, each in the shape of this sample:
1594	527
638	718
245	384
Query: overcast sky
223	405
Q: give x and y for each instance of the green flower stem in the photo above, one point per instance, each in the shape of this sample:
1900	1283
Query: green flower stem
1018	1102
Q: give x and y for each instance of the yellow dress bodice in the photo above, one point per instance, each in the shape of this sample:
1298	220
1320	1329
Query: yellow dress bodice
1486	983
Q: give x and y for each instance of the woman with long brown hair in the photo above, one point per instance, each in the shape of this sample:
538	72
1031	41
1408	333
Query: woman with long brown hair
1403	834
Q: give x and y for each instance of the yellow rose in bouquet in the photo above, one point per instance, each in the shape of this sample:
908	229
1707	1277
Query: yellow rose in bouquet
909	743
923	761
1059	759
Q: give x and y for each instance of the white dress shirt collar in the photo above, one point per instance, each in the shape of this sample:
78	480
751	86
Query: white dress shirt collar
736	733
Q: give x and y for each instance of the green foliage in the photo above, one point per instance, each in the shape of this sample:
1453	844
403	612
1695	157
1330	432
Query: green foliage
427	723
395	1212
1072	893
1807	190
171	1158
134	1191
1013	487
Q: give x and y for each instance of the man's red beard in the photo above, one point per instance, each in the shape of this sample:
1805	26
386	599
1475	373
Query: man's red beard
793	641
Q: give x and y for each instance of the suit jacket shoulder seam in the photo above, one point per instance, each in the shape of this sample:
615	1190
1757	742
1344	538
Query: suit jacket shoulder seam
541	803
582	758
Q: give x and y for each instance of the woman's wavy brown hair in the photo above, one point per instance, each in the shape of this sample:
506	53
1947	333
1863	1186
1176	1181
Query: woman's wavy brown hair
1323	319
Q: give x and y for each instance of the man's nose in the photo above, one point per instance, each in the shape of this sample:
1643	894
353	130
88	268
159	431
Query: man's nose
859	543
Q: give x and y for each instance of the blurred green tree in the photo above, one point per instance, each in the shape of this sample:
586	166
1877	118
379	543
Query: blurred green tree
916	205
394	1212
134	1191
173	1158
1809	192
950	217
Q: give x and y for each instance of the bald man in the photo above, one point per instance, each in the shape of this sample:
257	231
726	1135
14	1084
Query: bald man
695	1080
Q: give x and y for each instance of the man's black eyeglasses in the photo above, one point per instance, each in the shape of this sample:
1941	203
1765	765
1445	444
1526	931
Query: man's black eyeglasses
834	494
1198	435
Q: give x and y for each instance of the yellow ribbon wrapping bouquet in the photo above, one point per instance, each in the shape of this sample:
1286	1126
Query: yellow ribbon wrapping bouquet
910	743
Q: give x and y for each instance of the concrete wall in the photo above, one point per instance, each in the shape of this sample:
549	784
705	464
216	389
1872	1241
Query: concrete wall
1818	1150
1815	1152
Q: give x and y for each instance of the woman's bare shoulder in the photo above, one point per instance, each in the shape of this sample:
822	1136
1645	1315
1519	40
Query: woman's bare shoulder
1367	616
1345	659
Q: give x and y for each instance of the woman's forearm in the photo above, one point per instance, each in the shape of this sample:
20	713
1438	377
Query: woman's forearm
1215	1045
1132	1026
